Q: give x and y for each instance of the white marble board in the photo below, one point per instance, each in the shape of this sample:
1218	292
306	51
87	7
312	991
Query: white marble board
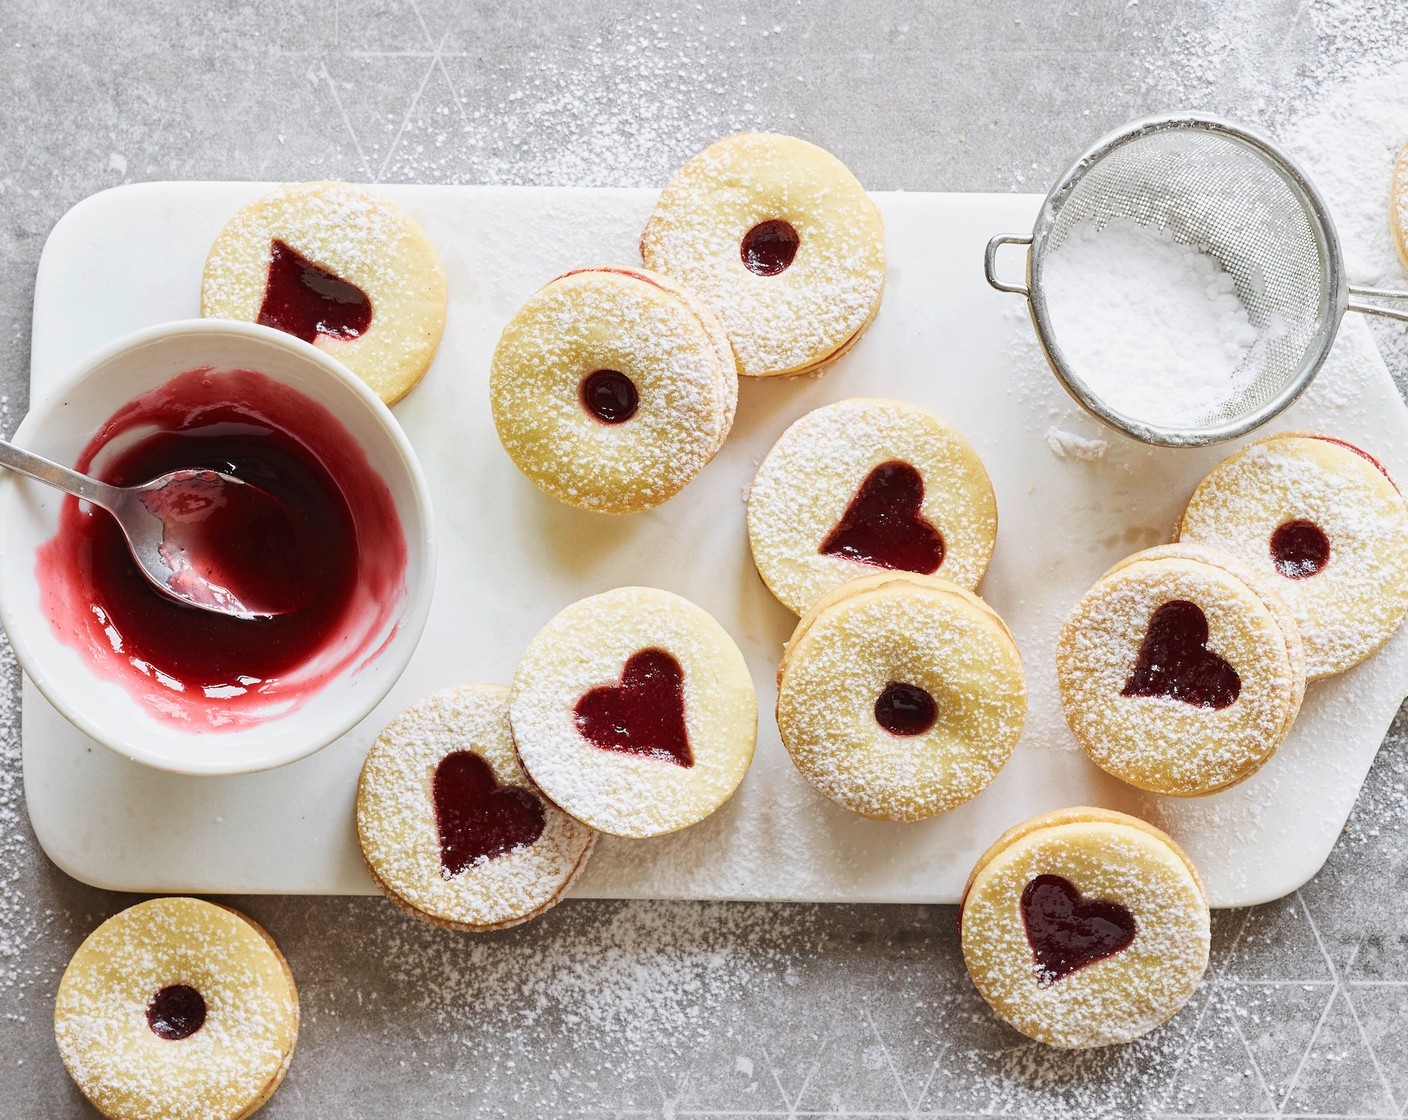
512	557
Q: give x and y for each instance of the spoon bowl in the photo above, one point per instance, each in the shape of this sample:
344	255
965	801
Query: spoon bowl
203	537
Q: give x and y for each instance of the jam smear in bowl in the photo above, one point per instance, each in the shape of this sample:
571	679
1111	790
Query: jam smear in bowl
191	690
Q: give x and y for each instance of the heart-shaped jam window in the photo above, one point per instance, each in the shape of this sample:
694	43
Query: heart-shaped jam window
476	817
305	300
644	714
883	526
1174	660
1068	932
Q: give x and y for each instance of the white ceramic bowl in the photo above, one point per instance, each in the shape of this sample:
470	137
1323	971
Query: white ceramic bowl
63	423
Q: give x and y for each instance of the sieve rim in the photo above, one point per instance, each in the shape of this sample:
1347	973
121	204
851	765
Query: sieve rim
1332	309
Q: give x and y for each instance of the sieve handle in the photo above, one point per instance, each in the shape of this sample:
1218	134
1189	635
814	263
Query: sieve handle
1366	308
990	263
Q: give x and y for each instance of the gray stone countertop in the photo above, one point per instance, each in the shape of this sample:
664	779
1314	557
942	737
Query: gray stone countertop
653	1009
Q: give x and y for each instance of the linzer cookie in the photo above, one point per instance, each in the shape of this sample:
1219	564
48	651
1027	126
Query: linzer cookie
1324	523
900	696
337	266
779	238
450	826
1085	927
865	485
180	1009
612	388
1181	670
634	711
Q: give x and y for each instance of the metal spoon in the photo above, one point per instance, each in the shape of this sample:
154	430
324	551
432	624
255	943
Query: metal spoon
166	522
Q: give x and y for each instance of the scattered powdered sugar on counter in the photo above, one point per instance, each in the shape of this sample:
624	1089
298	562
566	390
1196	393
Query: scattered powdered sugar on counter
682	1009
562	117
1347	144
1154	327
18	918
1068	445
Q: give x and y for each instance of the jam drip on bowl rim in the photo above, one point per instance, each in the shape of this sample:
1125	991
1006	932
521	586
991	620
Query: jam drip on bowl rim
343	546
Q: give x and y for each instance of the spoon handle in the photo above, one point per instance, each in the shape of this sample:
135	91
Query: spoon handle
45	470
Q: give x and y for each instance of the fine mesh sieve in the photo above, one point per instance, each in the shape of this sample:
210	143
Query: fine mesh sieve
1236	197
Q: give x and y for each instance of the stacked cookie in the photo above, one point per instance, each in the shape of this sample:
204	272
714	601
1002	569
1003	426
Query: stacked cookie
900	696
865	485
613	387
779	238
1157	703
1182	670
450	826
1085	927
177	1008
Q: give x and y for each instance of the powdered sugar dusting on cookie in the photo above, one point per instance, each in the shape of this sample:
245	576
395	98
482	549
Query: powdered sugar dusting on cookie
1265	589
1161	742
246	1039
815	309
1350	607
813	472
396	822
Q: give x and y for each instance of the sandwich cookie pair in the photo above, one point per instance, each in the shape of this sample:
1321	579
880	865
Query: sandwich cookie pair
779	238
342	268
867	485
631	713
900	696
1085	927
451	828
634	711
1181	670
612	388
1322	522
